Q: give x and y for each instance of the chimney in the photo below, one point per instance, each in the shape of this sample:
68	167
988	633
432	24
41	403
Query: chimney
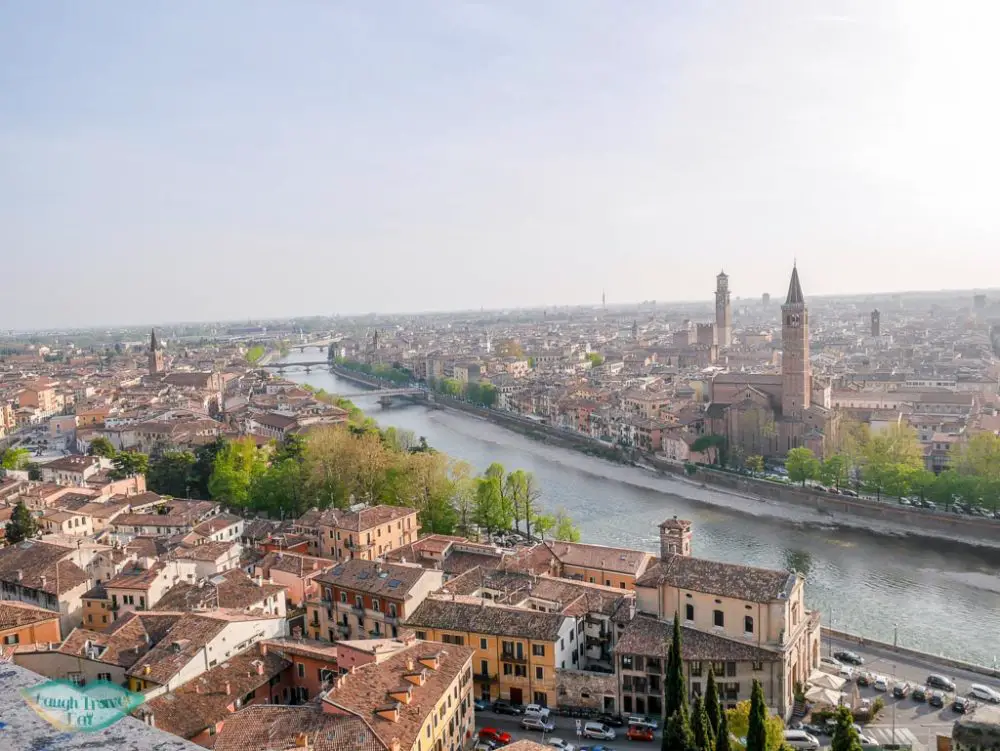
229	688
409	663
197	688
302	741
45	580
20	574
260	668
263	649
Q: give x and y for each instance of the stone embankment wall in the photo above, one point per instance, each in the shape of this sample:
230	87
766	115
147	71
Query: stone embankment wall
922	656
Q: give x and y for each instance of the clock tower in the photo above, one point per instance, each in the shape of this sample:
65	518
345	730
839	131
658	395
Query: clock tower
723	311
796	373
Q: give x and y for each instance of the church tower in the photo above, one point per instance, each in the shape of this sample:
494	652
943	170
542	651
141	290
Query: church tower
876	323
796	373
723	311
155	354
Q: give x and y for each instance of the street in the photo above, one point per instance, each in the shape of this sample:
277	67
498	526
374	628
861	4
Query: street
565	729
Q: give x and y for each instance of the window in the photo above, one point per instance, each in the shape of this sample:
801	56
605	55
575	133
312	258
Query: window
696	688
359	602
626	662
621	585
719	618
696	669
484	667
104	619
422	635
520	671
731	669
748	624
607	582
104	677
11	639
508	669
538	650
758	666
301	669
689	612
453	639
539	673
719	668
483	644
343	597
591	580
375	605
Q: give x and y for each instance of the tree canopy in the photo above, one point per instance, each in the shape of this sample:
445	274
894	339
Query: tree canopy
22	525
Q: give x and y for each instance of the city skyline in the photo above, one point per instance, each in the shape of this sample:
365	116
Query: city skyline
311	160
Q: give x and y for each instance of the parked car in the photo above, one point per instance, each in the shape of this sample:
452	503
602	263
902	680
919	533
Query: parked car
865	679
867	740
598	731
640	720
831	661
536	710
801	740
639	733
901	690
985	693
494	736
614	720
849	493
880	683
852	658
961	704
502	706
561	744
537	723
939	681
936	699
814	728
481	705
919	693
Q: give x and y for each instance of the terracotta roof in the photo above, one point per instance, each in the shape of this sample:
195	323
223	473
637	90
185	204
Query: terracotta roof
209	551
645	635
514	587
204	701
320	650
392	580
18	614
35	560
130	637
186	637
151	520
479	617
235	591
274	420
355	521
136	577
292	563
715	577
367	689
216	524
72	463
605	558
279	728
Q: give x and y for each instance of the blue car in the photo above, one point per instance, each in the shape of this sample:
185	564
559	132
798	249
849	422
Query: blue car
481	705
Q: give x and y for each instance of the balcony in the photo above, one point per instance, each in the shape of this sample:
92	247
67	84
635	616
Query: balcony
344	629
485	677
511	657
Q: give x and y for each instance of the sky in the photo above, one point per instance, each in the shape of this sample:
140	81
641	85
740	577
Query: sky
182	160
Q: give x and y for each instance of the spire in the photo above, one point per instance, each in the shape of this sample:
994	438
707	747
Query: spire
794	289
153	346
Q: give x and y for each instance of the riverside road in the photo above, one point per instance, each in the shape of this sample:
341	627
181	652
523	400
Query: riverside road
944	597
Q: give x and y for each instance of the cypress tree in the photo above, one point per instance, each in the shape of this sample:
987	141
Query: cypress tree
722	737
845	735
713	706
757	732
675	699
701	728
677	735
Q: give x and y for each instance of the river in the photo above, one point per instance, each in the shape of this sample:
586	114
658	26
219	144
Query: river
943	597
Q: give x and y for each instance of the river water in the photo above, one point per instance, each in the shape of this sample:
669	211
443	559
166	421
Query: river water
943	597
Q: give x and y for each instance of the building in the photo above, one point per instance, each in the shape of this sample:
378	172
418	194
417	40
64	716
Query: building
979	731
362	599
45	575
417	699
723	311
296	573
367	533
876	323
517	650
71	470
594	564
771	414
263	726
752	619
155	355
23	625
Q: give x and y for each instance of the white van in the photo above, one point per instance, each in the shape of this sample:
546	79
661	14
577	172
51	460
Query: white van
985	693
801	740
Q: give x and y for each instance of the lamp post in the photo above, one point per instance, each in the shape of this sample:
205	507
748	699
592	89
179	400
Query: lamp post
895	636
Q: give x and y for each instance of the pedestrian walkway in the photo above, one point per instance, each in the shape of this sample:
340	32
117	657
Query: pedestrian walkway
904	737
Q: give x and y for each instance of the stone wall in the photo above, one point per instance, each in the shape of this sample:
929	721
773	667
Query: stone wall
585	689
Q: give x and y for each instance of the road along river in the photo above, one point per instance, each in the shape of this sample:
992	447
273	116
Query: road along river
944	597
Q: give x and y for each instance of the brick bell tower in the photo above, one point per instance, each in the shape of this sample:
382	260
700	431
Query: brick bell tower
723	311
675	538
796	373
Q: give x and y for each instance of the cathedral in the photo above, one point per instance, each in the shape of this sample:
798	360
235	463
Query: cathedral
769	414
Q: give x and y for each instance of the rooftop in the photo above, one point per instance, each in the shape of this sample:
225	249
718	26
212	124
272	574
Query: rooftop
441	612
282	728
392	580
715	577
19	614
34	565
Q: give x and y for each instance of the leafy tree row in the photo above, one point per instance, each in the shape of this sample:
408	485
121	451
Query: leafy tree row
391	373
481	394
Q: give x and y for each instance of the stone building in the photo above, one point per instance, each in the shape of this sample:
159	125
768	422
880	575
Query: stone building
723	311
769	414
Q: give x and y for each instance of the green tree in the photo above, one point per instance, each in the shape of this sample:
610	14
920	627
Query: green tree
677	735
15	458
204	466
596	360
701	726
565	529
235	468
34	471
713	706
22	525
755	463
833	472
171	473
845	735
889	457
713	446
675	694
494	510
922	482
128	464
543	523
278	490
757	724
101	446
722	735
802	465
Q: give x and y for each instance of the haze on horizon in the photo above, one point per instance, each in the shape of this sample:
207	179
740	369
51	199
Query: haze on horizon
216	161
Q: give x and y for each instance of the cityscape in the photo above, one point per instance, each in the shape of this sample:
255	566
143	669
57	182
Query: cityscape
499	376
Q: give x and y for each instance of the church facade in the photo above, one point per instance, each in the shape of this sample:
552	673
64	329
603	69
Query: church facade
769	414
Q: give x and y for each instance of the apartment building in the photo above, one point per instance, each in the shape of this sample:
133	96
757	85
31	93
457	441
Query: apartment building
45	575
418	699
594	564
23	625
366	599
517	650
367	533
71	470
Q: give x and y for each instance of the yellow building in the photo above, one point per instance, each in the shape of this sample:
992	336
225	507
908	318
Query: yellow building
593	564
516	650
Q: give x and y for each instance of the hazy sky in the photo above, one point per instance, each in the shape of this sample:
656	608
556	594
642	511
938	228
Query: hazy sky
188	160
